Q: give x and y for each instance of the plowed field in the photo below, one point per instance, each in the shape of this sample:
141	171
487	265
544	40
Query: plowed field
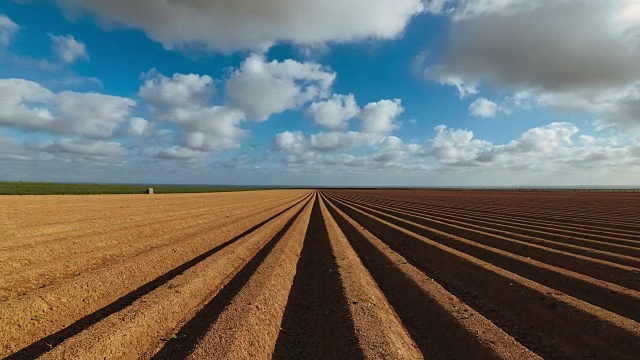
335	274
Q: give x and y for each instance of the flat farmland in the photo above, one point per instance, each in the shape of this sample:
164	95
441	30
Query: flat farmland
330	274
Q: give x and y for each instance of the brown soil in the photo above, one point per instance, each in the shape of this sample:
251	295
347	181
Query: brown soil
339	274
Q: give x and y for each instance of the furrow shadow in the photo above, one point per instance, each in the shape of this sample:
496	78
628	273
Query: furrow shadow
317	323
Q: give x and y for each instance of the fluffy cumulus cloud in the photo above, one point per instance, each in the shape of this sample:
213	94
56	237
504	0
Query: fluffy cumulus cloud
553	147
139	126
181	90
545	139
350	149
334	113
212	128
293	142
30	106
68	49
371	147
23	104
262	88
485	108
381	117
550	51
185	100
456	146
8	28
254	91
248	24
91	114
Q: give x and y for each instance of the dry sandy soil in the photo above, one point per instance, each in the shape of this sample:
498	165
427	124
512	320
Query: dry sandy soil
335	274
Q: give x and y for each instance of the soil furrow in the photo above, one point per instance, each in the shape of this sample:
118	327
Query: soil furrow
547	321
454	330
379	330
621	300
121	218
54	269
551	232
46	314
317	323
136	330
248	327
599	269
532	219
125	223
321	274
630	254
555	216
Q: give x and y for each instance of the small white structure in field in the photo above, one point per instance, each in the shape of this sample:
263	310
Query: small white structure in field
150	191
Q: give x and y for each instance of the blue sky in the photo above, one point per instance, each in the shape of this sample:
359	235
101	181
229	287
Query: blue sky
380	92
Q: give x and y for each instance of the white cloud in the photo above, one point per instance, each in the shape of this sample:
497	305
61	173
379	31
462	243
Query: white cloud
464	88
291	142
550	51
436	6
262	88
248	24
81	147
474	8
295	142
28	105
91	114
380	117
181	90
545	139
172	153
213	128
554	148
332	141
334	113
139	126
546	148
90	147
23	104
329	150
616	107
8	29
456	146
68	49
485	108
185	100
